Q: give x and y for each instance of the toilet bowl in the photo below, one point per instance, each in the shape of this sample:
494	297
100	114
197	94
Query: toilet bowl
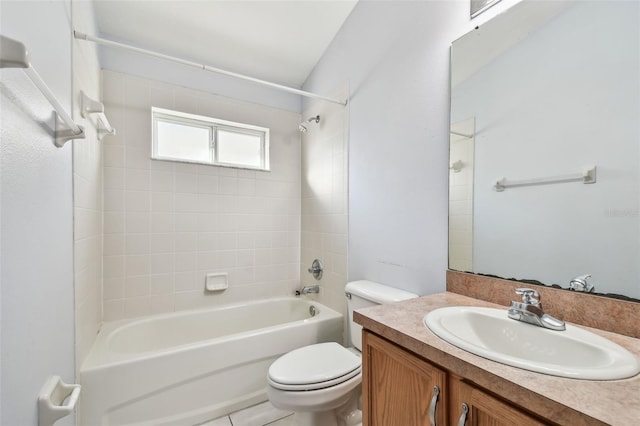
321	383
317	380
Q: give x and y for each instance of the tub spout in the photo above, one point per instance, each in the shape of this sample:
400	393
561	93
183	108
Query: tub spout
308	289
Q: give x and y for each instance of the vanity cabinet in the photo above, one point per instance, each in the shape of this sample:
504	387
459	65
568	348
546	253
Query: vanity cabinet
399	389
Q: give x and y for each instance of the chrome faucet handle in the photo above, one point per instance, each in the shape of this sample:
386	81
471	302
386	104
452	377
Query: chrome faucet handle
530	311
529	296
316	269
581	283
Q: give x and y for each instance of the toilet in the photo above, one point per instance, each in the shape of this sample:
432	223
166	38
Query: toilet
321	383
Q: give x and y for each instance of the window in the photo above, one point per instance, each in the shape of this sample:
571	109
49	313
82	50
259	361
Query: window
178	136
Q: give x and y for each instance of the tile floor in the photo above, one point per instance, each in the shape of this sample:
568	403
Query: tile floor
257	415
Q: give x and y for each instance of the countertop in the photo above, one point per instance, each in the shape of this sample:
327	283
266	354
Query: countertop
561	400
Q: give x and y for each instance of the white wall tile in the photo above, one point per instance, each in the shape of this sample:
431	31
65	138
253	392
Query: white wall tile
187	182
136	265
321	231
113	310
187	281
186	261
113	156
137	306
113	200
137	180
113	244
113	288
136	286
137	201
89	180
137	158
162	202
161	263
113	266
162	222
161	303
162	243
165	166
136	244
114	178
190	222
207	203
186	202
246	240
188	241
168	224
207	184
162	181
136	223
113	222
161	284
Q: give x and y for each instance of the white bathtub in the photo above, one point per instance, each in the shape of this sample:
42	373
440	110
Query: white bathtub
187	367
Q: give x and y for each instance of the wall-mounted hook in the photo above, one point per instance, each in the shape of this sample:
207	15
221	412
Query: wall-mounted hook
456	166
91	106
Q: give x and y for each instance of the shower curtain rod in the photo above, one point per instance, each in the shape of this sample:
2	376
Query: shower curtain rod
86	37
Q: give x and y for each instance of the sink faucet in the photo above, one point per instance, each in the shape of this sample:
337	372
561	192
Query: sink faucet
530	311
581	283
308	289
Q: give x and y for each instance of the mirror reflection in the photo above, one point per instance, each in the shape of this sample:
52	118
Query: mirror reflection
544	167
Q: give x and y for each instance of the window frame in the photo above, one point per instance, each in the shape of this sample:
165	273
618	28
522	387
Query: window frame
212	124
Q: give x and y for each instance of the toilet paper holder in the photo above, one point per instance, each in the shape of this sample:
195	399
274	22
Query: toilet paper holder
56	400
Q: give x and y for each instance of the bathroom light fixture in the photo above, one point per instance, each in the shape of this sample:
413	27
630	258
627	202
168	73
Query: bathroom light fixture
304	126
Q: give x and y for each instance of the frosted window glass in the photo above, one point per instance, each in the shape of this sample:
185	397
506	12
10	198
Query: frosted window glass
183	142
239	148
178	136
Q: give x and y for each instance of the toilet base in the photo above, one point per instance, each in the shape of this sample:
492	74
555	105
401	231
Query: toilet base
349	414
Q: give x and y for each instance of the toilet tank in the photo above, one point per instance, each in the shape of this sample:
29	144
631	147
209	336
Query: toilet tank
364	293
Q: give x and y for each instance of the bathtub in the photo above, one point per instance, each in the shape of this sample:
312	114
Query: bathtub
188	367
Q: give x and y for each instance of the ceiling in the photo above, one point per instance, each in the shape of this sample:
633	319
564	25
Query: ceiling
278	41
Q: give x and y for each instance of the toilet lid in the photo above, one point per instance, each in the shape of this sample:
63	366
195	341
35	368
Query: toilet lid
320	364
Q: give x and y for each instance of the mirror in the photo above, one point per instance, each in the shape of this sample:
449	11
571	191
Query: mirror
545	131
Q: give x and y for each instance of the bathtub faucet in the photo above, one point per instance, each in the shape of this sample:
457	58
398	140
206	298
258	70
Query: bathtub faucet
308	289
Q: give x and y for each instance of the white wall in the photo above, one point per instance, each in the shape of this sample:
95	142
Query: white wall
168	224
194	78
396	58
535	118
325	216
37	219
87	189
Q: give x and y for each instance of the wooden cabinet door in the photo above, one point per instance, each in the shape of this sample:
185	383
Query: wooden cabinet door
398	387
483	409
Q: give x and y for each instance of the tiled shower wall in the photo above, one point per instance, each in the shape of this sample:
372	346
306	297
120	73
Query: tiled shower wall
87	190
325	200
166	224
461	196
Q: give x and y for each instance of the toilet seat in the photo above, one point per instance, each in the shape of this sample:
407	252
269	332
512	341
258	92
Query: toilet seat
314	367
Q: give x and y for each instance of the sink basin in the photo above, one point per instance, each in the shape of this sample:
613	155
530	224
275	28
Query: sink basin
574	353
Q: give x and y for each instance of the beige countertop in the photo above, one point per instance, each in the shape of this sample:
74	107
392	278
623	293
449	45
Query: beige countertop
561	400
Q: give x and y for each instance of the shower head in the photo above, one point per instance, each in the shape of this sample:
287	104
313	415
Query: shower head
304	126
